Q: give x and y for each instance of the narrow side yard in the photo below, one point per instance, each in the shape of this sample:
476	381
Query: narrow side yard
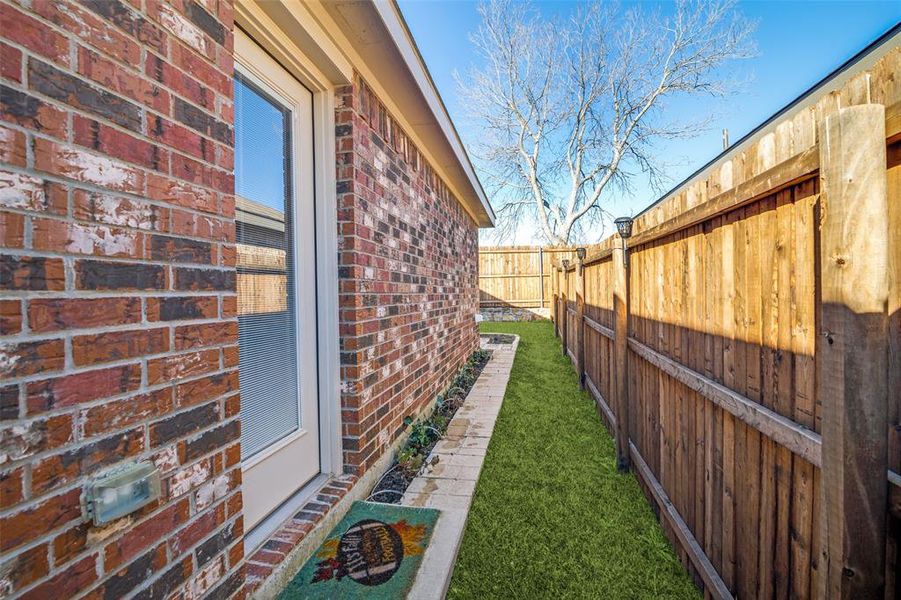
551	516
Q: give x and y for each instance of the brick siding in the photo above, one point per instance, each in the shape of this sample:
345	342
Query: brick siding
408	278
118	280
118	307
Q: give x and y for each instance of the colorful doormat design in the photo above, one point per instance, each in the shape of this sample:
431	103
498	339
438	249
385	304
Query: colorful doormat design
374	552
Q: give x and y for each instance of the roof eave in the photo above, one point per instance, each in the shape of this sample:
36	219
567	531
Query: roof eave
390	13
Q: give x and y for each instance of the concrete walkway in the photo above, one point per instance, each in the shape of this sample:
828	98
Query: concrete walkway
450	484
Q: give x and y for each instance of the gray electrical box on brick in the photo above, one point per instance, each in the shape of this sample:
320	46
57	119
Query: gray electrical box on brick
121	492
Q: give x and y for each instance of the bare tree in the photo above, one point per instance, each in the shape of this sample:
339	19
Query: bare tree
570	109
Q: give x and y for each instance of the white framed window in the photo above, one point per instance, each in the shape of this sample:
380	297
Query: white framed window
275	222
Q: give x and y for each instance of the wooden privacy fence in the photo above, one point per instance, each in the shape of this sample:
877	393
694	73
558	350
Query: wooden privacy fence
746	350
517	276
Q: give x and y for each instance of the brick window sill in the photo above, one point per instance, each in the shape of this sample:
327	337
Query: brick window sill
276	549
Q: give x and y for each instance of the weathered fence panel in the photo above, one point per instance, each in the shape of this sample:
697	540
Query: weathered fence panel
746	354
517	276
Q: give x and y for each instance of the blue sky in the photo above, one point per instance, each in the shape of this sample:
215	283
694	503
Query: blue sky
798	43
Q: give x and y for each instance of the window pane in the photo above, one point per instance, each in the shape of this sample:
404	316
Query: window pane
268	365
260	148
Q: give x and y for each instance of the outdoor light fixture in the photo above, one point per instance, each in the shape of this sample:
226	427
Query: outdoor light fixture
624	227
580	252
565	263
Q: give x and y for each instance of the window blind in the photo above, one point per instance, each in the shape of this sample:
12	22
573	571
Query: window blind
266	312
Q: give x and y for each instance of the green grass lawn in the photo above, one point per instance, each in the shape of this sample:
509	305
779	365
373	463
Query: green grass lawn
551	517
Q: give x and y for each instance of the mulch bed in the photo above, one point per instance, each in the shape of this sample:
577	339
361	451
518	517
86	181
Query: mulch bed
499	338
425	434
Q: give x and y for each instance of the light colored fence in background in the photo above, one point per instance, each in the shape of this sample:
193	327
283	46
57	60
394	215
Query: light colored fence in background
747	355
517	276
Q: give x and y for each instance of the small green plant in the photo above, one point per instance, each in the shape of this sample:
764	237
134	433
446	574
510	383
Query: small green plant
439	422
480	356
410	460
421	435
425	433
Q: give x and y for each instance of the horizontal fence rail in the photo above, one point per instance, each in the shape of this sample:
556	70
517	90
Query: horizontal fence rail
744	349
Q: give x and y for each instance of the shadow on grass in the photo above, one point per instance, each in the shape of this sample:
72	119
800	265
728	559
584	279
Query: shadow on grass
551	517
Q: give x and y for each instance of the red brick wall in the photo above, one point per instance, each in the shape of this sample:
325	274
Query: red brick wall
408	270
117	276
117	272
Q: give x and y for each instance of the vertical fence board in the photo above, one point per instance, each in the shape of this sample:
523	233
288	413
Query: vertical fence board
730	380
893	190
620	351
852	369
782	391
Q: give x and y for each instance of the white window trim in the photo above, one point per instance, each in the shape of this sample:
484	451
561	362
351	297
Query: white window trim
267	35
252	70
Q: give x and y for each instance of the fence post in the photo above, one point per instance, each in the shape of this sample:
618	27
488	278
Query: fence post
621	351
564	327
555	318
541	273
852	351
580	323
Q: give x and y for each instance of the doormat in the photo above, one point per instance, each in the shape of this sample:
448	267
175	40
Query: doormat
374	552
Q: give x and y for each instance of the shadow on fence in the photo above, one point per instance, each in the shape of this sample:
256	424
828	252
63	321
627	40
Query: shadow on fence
745	352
